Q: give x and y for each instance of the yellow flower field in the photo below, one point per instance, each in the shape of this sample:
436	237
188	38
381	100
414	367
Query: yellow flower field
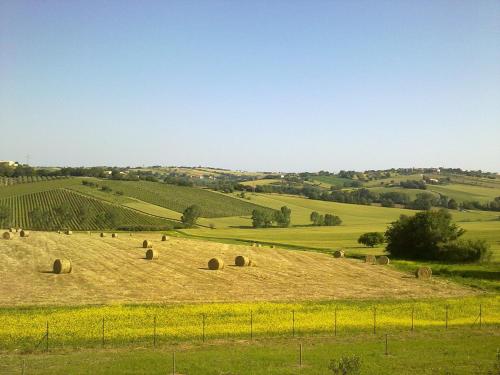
24	328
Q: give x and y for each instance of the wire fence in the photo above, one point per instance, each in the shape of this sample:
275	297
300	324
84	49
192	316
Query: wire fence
151	326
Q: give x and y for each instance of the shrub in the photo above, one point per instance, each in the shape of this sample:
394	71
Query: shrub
349	365
262	218
421	236
465	251
191	215
332	220
371	239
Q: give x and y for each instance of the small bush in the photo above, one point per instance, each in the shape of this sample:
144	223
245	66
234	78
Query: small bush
349	365
371	239
465	251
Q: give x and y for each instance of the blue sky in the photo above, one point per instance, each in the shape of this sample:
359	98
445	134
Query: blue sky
256	85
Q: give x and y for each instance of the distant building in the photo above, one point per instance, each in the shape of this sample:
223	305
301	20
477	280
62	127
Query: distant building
8	163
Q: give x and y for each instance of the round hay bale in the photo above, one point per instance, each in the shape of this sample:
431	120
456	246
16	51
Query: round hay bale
25	233
383	260
371	259
164	237
423	273
151	254
62	266
252	263
254	244
338	254
272	246
8	236
147	244
215	264
58	232
12	230
114	235
69	233
18	230
241	261
103	234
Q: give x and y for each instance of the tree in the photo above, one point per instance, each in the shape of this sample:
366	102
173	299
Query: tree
4	216
452	204
316	218
332	220
371	239
423	201
282	217
84	214
261	218
191	215
40	219
421	236
64	214
107	219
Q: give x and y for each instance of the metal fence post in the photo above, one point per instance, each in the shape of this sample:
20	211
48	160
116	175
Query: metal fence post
251	325
412	315
173	363
47	337
203	323
154	332
335	322
103	331
293	323
446	316
300	355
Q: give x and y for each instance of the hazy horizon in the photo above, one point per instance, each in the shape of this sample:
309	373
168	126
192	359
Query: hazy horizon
257	86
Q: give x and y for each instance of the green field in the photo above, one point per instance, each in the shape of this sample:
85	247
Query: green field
453	351
6	181
393	180
178	198
22	205
463	193
331	180
37	187
356	220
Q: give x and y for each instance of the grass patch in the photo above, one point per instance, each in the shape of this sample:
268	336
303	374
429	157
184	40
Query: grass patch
467	351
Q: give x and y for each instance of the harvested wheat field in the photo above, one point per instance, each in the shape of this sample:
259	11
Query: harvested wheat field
107	270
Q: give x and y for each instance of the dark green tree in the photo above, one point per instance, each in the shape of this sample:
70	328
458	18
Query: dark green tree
332	220
283	216
191	215
316	218
262	218
64	214
452	204
371	239
4	216
84	215
40	219
421	236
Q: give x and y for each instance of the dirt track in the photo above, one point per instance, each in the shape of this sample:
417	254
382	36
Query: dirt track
108	270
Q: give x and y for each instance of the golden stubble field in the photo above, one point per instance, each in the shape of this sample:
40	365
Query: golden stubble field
113	270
